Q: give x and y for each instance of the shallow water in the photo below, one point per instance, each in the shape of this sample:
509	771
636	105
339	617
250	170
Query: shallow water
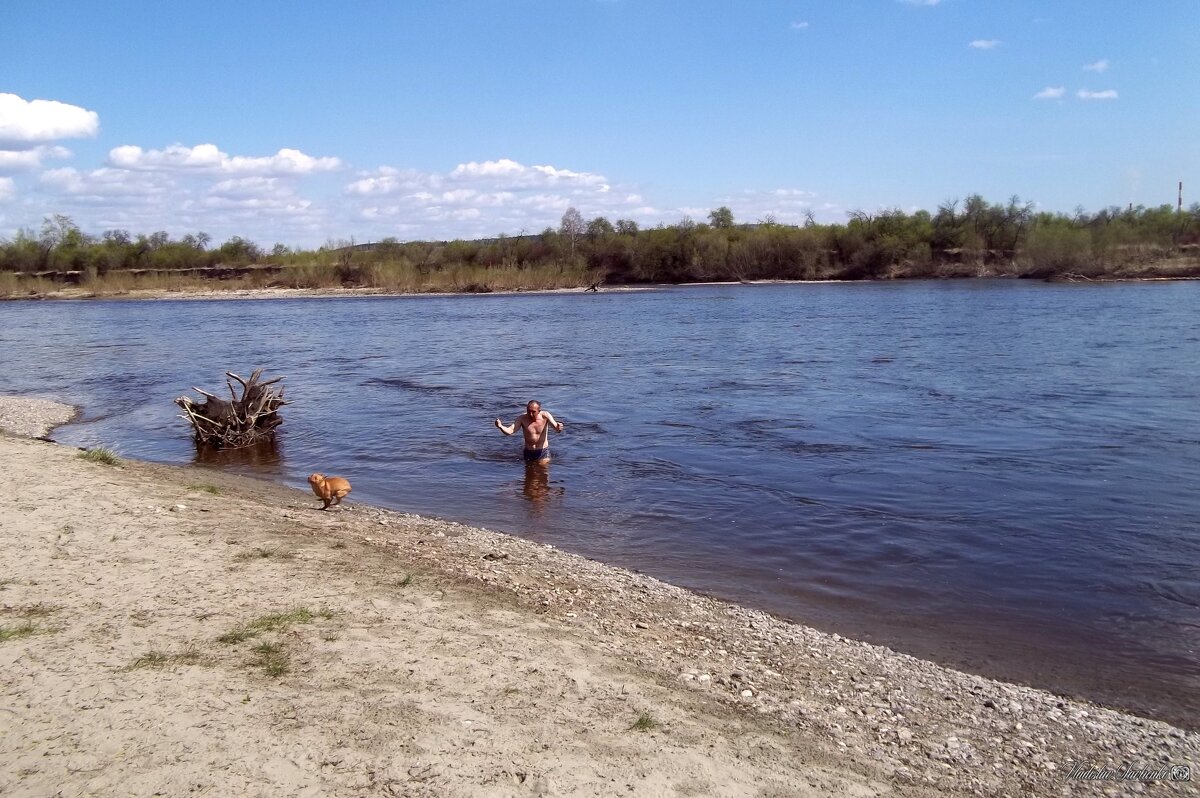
996	474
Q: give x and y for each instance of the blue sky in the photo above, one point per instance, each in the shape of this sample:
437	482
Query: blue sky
302	122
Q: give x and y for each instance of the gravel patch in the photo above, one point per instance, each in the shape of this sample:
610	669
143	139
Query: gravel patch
30	417
926	725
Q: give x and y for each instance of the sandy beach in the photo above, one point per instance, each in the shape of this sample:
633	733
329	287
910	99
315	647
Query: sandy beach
176	631
217	291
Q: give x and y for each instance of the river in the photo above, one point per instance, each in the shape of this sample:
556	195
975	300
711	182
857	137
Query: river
999	475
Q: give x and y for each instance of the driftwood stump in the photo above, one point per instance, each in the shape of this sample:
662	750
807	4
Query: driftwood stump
237	421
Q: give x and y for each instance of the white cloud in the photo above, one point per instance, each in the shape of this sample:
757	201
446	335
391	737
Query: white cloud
389	180
1098	66
8	189
1107	94
270	206
185	189
800	25
552	175
483	198
202	156
1051	93
512	174
28	123
985	44
494	169
251	187
25	160
258	197
104	185
259	207
284	162
208	158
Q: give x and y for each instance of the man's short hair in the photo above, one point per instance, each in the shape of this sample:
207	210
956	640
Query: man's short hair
532	402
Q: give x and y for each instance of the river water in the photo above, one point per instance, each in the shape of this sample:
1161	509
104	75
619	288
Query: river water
998	475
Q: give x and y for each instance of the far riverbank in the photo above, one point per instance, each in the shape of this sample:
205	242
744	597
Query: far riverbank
165	286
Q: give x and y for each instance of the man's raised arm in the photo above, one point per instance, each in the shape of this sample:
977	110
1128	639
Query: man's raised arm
558	427
508	429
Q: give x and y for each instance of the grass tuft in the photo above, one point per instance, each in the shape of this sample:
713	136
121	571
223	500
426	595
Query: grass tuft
100	454
272	658
644	723
269	623
237	635
276	667
406	581
151	659
206	488
259	553
158	659
283	620
39	610
27	629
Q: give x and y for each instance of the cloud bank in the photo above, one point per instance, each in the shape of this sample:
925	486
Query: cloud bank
25	124
208	158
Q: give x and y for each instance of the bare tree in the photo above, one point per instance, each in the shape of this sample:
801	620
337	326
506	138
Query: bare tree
572	226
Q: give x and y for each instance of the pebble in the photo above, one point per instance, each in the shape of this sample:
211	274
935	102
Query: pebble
32	418
747	694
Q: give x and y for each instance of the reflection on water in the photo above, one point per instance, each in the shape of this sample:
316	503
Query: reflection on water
537	489
997	474
263	457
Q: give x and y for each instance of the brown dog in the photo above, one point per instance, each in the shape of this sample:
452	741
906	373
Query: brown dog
331	490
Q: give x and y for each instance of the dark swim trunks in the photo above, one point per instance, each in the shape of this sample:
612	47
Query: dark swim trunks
535	455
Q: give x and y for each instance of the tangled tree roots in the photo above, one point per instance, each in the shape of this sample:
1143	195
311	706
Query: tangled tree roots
237	421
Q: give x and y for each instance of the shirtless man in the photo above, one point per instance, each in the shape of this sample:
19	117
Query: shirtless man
535	424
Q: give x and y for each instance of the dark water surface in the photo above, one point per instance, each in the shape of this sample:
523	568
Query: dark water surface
999	475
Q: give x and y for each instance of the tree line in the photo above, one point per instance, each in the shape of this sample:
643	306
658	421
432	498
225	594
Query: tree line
969	238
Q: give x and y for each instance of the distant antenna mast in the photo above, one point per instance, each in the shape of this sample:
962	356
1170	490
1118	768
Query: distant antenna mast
1179	207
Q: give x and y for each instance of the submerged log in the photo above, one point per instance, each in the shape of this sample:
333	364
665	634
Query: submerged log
239	420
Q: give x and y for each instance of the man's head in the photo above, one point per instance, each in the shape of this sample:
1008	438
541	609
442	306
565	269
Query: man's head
533	407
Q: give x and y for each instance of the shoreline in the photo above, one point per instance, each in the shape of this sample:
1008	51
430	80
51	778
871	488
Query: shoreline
818	703
208	293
